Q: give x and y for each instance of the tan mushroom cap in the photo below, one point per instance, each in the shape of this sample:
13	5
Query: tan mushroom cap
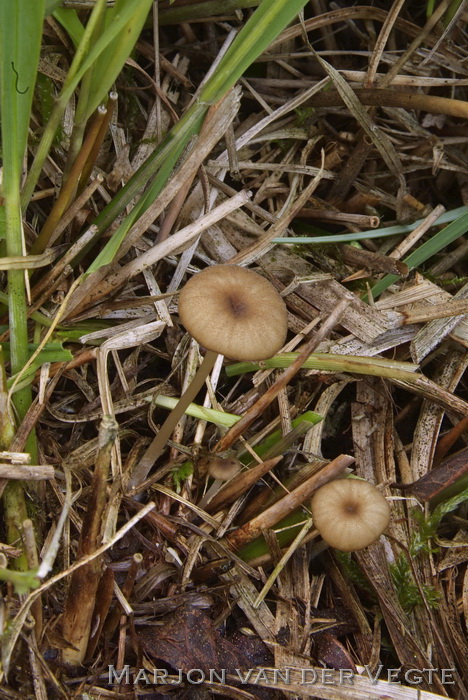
235	312
350	514
223	468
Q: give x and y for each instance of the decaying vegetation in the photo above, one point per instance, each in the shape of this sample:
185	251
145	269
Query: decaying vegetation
325	147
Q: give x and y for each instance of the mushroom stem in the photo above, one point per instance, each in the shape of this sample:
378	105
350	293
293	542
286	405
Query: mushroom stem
165	431
212	491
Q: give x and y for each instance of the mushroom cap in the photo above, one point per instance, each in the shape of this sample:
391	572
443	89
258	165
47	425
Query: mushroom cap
235	312
350	514
223	468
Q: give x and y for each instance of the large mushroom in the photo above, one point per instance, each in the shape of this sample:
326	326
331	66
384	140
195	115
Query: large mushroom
231	311
350	514
235	312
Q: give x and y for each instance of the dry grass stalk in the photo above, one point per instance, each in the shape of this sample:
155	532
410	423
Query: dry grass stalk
430	417
379	97
43	471
381	42
21	616
30	546
411	650
110	624
84	582
421	36
458	307
373	261
215	126
69	187
349	14
431	391
325	215
267	497
241	484
433	333
258	249
416	234
298	540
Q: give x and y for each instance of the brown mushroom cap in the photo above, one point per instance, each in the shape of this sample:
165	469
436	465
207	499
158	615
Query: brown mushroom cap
223	468
235	312
350	514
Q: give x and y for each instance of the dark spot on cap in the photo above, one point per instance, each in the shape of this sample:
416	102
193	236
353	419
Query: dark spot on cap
237	306
351	508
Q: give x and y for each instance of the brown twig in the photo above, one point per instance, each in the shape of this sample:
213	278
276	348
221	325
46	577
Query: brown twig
95	148
84	581
69	188
373	261
446	442
381	97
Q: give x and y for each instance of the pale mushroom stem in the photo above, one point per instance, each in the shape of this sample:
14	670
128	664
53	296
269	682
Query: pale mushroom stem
165	431
214	488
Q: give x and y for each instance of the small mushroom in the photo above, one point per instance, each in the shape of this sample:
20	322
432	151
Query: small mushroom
222	469
231	311
220	466
350	514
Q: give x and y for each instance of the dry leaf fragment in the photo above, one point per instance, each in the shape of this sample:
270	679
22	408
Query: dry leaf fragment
435	481
188	640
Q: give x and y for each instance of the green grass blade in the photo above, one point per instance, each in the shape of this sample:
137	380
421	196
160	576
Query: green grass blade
426	251
225	420
266	23
70	21
384	232
20	35
50	6
51	352
20	42
112	59
85	58
328	362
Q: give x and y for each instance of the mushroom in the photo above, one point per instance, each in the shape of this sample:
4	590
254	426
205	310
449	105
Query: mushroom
222	468
350	514
232	311
235	312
